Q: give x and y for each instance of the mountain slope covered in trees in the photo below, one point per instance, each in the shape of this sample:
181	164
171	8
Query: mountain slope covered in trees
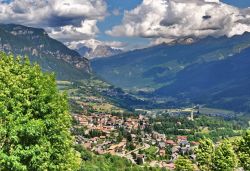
157	66
212	71
222	84
50	54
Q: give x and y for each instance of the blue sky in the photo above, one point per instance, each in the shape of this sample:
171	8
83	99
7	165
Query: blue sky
75	22
238	3
113	20
123	5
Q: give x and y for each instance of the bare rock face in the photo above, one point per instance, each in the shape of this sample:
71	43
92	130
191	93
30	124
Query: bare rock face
100	51
50	54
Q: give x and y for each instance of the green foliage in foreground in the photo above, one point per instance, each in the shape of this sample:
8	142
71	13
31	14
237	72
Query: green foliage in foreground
34	120
243	151
204	154
182	164
224	158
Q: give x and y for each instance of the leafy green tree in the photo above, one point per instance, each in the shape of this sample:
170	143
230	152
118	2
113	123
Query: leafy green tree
119	137
139	161
182	164
224	157
204	154
34	120
243	151
95	133
129	137
130	146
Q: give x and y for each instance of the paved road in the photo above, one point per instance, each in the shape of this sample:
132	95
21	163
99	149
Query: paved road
144	147
130	157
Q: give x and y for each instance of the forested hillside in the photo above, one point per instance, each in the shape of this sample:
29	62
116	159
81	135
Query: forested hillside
50	54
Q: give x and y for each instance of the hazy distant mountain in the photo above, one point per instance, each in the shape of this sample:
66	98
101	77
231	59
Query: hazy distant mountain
102	51
223	84
98	52
83	50
212	71
51	54
95	49
158	66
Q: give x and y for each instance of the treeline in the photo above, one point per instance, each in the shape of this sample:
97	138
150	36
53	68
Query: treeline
202	126
225	156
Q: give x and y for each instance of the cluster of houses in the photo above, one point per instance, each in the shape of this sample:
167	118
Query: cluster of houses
106	142
108	125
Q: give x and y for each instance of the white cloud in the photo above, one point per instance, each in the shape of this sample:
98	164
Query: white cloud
52	12
91	9
86	30
65	20
168	20
93	43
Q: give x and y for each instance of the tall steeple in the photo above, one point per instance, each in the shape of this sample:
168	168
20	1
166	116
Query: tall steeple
192	115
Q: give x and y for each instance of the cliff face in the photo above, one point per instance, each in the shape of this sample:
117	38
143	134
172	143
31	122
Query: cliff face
50	54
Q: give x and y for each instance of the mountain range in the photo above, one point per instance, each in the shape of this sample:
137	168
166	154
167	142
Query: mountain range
50	54
92	49
99	51
67	64
158	65
210	71
222	84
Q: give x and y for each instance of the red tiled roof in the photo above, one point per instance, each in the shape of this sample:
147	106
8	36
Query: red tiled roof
195	143
170	142
182	137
